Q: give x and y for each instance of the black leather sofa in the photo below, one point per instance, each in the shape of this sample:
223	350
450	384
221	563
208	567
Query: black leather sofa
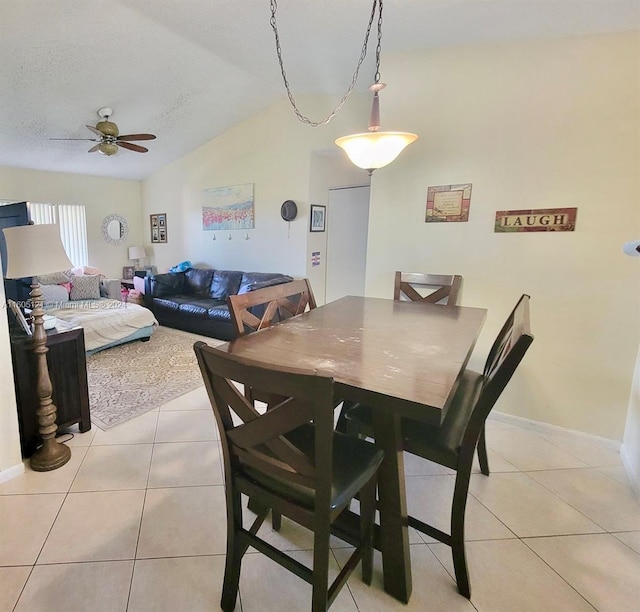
196	300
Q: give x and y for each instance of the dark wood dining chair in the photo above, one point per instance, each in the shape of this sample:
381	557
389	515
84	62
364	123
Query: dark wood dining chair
453	443
439	288
262	308
291	459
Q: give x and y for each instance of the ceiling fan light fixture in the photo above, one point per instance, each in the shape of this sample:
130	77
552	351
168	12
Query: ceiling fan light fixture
108	128
107	148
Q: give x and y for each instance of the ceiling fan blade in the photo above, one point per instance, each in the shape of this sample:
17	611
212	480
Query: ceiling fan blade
137	137
90	139
132	147
93	149
95	131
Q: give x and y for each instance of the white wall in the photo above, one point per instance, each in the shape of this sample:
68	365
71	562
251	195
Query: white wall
327	170
10	455
101	197
630	451
271	150
530	125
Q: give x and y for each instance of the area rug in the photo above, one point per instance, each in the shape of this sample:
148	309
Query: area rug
128	380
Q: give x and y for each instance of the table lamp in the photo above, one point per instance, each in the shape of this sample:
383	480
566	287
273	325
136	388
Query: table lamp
34	250
137	253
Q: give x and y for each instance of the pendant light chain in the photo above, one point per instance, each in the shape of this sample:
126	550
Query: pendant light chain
363	54
378	46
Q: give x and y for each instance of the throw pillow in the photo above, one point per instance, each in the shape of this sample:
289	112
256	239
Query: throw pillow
85	287
54	295
56	278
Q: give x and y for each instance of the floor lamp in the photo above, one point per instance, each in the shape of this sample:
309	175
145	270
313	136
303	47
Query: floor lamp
33	250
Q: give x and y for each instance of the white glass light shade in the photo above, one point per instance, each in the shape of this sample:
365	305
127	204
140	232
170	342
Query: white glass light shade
137	252
632	248
33	250
108	148
372	150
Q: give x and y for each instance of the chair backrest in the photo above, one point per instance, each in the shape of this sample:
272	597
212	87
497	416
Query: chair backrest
277	304
444	287
505	355
258	443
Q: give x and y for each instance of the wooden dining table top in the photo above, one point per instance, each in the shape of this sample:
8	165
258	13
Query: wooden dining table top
400	356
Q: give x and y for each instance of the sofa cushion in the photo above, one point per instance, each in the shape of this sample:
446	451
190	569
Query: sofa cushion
224	284
257	280
163	285
195	306
197	281
220	313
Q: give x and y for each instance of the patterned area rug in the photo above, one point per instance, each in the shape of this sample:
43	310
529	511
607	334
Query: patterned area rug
128	380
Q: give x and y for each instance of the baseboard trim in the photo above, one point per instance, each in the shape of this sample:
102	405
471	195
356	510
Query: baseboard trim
549	428
633	476
11	472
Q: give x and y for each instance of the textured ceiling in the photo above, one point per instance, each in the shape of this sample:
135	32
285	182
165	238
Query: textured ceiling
188	70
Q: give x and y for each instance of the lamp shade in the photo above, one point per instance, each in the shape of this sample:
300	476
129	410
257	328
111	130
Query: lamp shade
632	248
373	150
33	250
137	252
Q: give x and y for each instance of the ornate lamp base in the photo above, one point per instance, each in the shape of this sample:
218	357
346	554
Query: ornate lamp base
50	456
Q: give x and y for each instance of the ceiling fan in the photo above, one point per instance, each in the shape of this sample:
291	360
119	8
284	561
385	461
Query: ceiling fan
108	137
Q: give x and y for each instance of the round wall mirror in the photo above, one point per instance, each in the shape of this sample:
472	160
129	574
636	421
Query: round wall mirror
114	229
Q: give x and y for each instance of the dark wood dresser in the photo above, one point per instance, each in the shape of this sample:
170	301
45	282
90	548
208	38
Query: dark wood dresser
68	371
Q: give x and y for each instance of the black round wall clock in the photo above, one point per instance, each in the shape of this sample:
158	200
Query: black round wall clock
288	210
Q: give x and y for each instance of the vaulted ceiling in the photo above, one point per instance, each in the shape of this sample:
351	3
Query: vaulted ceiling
188	70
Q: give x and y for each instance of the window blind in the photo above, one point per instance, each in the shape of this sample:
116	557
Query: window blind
73	227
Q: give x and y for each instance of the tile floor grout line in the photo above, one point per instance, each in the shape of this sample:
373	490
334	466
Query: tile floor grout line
559	575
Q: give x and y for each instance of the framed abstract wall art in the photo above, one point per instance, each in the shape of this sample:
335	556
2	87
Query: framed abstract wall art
228	208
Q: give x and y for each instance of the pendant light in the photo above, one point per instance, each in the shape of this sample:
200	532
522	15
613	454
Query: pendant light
372	149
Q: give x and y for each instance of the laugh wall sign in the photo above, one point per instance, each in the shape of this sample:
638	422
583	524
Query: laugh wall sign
536	220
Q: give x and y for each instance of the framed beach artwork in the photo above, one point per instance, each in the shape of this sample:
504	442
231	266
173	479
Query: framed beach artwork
228	208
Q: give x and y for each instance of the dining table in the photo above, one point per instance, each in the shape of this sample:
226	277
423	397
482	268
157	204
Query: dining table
401	358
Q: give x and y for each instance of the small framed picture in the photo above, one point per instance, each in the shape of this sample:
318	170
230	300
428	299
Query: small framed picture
128	272
19	317
317	218
158	227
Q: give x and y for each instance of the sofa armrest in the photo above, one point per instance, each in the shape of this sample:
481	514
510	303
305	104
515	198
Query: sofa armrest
162	285
110	288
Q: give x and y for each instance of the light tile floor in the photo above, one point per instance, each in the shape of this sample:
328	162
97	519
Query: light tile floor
136	521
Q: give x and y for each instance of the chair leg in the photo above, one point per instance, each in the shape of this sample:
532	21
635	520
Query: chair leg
321	552
234	553
367	518
276	520
482	453
457	532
